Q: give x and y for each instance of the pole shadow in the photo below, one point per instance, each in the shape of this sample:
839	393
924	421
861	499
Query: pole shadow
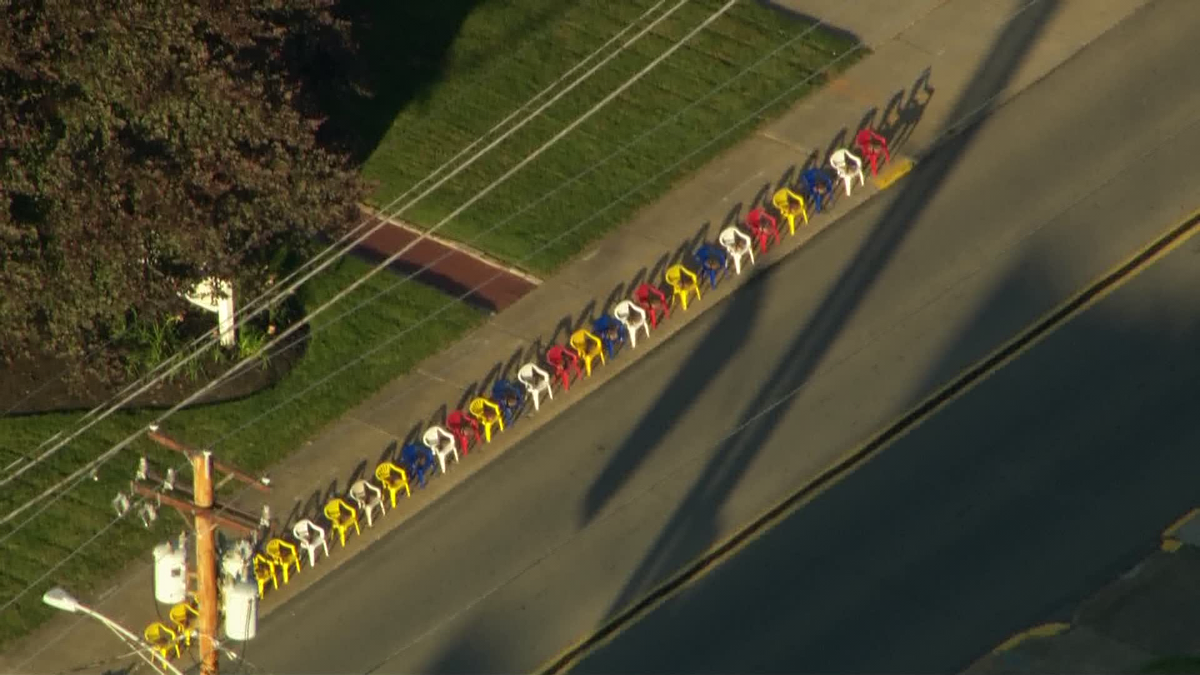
693	525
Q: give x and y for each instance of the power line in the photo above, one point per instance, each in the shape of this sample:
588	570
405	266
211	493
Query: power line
261	297
76	477
245	317
358	282
748	118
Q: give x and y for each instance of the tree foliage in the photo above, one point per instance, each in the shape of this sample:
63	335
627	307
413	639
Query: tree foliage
148	144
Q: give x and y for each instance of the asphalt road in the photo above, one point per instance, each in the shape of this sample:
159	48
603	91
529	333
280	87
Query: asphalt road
1028	492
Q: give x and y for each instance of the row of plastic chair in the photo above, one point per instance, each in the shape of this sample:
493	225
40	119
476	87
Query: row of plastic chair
642	311
735	245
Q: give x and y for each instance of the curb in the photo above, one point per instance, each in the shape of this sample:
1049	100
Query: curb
1044	630
1171	543
527	424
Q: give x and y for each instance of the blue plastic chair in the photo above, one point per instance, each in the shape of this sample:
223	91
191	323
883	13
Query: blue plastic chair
712	259
812	178
611	332
508	395
417	461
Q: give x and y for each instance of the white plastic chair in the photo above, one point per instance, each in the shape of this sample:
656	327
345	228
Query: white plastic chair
442	443
841	160
368	497
738	244
634	317
536	381
310	535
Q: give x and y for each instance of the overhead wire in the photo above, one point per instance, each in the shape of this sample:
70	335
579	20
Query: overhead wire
748	118
87	470
202	391
289	284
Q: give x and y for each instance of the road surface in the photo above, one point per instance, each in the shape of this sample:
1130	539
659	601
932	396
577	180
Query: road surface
1028	492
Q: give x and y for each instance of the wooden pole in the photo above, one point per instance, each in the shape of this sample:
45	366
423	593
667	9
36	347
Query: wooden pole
206	520
206	562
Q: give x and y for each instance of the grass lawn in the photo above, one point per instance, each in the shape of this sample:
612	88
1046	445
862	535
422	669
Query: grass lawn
508	51
275	433
503	52
1172	665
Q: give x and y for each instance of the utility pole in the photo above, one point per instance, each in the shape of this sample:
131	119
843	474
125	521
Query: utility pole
206	520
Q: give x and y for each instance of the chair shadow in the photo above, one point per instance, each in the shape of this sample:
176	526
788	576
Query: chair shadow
900	115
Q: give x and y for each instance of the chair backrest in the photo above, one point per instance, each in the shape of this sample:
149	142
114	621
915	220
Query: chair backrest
158	632
181	612
306	531
780	200
533	377
277	547
480	406
866	139
502	387
814	177
362	491
628	312
708	252
383	472
783	198
457	418
335	508
584	342
604	323
409	453
647	293
841	160
756	217
677	275
434	435
734	239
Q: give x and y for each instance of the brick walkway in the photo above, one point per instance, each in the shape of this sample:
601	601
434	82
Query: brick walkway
456	270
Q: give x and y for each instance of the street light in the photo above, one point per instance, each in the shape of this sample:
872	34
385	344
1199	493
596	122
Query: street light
60	599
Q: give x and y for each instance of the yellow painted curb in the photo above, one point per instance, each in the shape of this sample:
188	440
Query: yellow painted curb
1043	631
894	171
1170	544
1169	533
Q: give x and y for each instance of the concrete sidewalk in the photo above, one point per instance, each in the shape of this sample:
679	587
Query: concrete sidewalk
930	76
1148	614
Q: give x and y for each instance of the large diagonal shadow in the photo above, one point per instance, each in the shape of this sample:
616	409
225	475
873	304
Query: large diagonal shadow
693	526
995	515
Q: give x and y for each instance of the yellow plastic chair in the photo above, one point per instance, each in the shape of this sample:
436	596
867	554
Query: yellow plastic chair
284	555
181	615
682	282
488	414
264	571
393	479
790	205
162	640
341	515
588	346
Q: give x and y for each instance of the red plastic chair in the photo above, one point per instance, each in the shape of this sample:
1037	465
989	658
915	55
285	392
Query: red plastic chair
646	296
458	422
872	146
762	226
562	360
